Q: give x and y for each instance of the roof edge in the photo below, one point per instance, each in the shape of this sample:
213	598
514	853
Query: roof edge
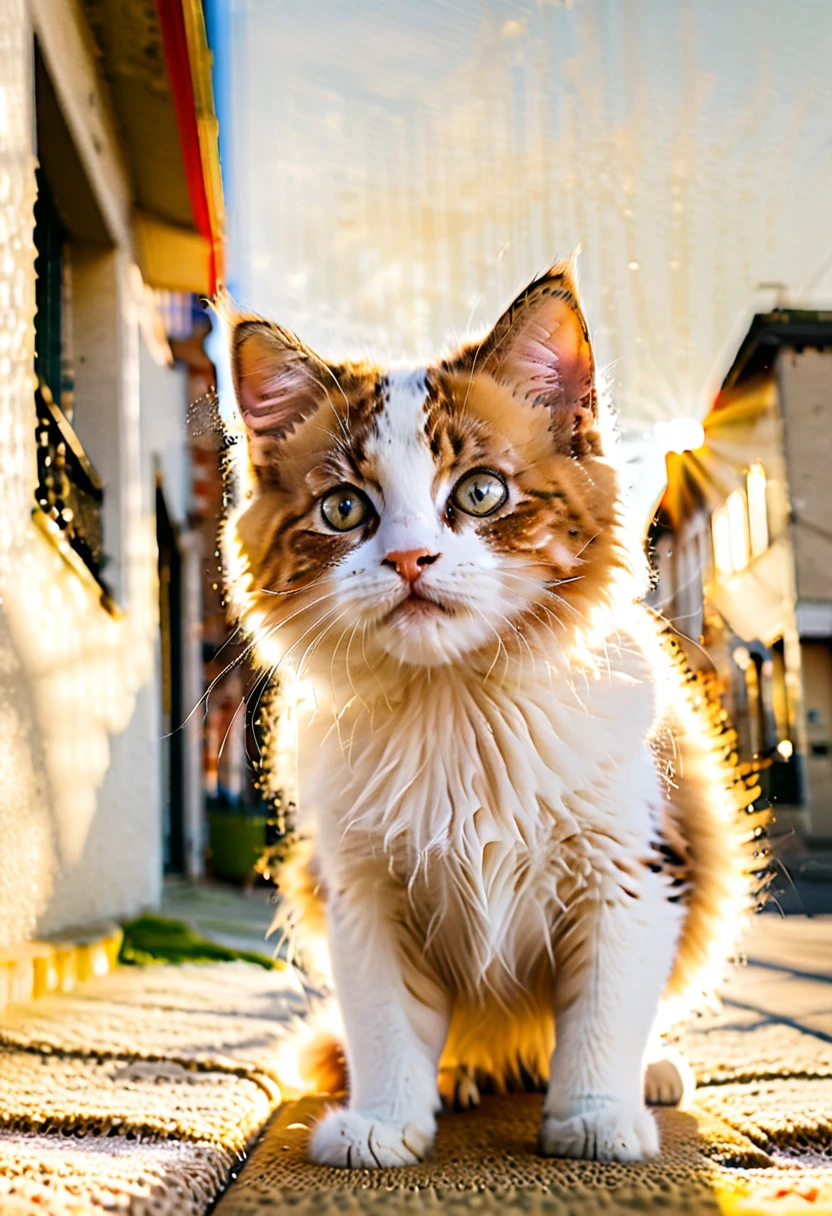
782	327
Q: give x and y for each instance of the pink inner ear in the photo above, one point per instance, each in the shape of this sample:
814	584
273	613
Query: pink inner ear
274	388
549	358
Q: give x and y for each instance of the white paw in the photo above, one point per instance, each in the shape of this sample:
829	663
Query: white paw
349	1140
668	1081
608	1131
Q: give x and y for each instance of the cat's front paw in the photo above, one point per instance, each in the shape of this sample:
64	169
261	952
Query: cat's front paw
347	1139
608	1131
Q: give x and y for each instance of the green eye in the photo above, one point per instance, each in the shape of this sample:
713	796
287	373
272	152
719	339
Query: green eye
345	508
480	493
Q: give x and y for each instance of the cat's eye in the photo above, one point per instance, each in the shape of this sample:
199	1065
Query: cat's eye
480	493
345	508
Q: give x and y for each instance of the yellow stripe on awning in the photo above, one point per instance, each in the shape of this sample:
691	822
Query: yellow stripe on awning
171	258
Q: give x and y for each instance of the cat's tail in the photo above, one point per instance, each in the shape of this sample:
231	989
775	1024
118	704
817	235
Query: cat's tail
310	1058
717	823
320	1059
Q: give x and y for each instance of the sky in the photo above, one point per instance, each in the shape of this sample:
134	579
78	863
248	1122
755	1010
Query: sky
397	170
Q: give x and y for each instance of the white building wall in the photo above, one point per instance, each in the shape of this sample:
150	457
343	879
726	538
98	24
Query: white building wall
79	735
27	856
164	443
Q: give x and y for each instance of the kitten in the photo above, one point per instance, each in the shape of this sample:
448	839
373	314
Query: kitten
489	728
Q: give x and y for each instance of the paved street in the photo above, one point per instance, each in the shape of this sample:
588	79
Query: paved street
788	974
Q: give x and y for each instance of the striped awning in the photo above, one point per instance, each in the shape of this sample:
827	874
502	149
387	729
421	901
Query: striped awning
156	61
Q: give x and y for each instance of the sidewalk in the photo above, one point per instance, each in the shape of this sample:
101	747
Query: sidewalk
788	974
233	917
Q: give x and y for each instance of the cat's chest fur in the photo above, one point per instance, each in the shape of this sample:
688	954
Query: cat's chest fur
487	805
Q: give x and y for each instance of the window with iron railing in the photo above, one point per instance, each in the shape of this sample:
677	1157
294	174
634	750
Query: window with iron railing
69	490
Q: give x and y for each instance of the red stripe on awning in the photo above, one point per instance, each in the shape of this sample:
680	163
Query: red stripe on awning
174	38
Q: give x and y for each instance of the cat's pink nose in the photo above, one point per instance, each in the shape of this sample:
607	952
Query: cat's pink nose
409	563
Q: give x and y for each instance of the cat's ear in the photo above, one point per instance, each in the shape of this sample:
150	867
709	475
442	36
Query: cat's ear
540	349
278	382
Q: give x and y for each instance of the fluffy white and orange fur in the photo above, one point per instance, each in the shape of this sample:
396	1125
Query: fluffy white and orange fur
521	841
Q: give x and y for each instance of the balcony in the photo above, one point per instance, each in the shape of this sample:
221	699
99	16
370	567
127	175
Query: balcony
69	491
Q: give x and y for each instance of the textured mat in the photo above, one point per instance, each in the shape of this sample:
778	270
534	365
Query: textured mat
141	1092
162	1098
755	1051
215	1016
67	1176
785	1114
485	1162
230	988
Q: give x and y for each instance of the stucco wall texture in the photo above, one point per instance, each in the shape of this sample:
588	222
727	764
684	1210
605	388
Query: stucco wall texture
79	787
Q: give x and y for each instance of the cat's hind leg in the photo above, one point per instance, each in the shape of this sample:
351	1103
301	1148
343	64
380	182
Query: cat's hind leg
668	1078
458	1087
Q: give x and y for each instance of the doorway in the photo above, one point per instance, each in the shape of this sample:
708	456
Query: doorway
170	629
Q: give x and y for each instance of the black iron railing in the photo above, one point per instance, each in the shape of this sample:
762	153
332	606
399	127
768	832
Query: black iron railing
69	490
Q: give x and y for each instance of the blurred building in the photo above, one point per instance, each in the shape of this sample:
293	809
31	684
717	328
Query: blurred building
110	220
742	545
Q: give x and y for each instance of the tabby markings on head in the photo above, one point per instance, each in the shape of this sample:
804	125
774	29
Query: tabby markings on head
518	407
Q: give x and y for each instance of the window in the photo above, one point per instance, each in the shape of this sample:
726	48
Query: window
757	510
68	491
739	528
53	366
721	536
736	507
